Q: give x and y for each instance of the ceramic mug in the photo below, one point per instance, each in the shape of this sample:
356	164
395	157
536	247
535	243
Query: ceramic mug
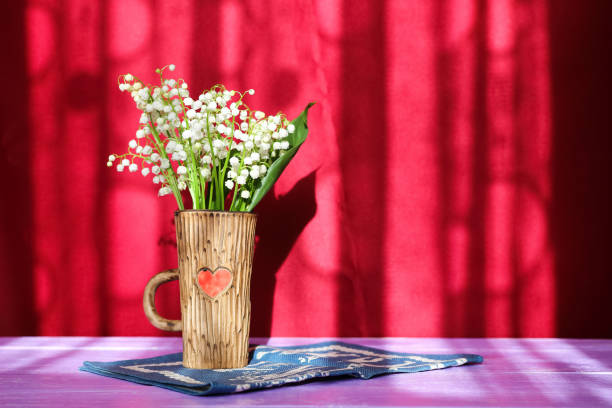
215	257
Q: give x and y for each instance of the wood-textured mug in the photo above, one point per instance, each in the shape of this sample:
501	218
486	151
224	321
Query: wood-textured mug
215	257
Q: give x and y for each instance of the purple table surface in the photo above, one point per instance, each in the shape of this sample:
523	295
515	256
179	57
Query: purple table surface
43	371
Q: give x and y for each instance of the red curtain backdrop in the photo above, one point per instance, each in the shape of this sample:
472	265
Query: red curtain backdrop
455	181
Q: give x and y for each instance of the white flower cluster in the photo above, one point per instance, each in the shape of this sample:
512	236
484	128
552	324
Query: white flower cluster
212	145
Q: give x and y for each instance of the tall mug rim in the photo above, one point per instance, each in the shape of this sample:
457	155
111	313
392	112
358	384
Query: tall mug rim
233	213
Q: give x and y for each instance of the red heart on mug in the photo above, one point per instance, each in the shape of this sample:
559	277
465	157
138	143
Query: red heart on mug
214	283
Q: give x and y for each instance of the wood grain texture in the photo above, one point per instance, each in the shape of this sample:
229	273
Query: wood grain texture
41	372
215	330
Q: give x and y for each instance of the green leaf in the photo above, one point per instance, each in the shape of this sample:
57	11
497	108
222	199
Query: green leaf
295	141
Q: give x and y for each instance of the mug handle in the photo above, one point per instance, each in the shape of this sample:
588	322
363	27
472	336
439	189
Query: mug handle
148	301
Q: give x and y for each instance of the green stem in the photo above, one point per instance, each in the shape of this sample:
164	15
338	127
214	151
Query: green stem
237	175
229	153
214	171
195	178
194	187
213	185
231	207
175	192
170	175
219	196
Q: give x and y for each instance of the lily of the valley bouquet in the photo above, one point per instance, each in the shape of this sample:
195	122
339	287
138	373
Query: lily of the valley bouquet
225	154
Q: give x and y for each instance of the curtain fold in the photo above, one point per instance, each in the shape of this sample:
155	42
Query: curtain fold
423	202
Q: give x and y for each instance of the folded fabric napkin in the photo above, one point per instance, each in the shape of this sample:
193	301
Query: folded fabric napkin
275	366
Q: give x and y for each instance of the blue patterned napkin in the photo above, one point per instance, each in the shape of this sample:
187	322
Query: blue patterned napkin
275	366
